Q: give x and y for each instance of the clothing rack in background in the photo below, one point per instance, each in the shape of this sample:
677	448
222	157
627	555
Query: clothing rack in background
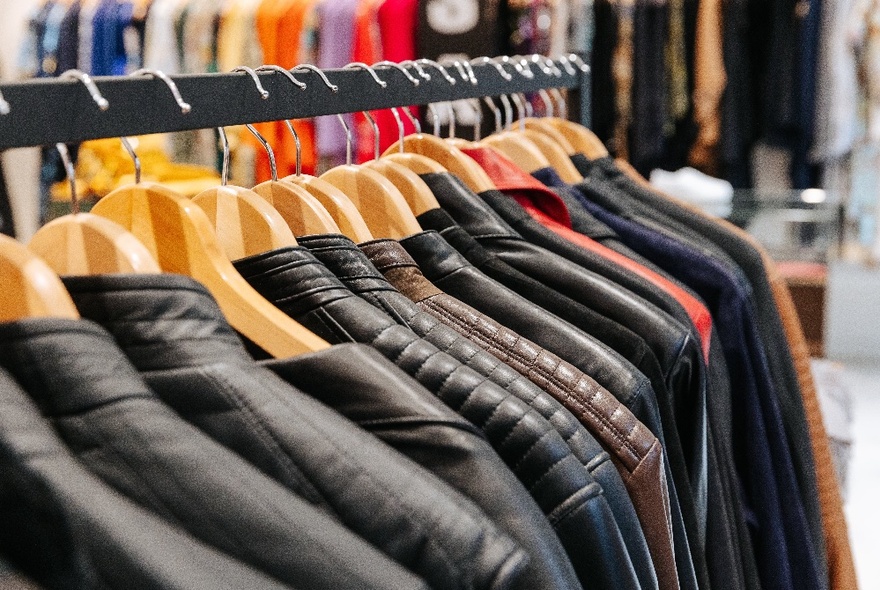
49	111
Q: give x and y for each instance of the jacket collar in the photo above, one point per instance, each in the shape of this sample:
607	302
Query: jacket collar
433	254
346	261
161	321
67	366
466	207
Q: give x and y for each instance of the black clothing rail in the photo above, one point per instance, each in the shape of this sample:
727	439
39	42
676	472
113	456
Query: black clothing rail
49	111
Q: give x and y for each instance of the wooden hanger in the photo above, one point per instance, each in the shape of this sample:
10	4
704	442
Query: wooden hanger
555	154
349	221
30	288
180	236
545	127
304	214
582	139
448	156
379	202
86	244
244	222
418	195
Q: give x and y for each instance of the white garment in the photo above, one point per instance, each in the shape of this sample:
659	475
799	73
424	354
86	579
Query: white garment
160	40
712	195
836	117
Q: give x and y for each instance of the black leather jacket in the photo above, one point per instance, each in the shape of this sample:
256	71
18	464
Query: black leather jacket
192	358
67	529
306	290
354	269
122	432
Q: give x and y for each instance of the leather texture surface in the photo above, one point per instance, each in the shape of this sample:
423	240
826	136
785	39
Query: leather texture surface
354	269
306	290
121	431
192	358
66	528
636	451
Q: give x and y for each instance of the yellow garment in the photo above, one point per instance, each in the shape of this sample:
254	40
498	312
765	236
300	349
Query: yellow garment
103	165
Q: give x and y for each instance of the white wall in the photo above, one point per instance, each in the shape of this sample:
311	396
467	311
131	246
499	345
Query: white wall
21	166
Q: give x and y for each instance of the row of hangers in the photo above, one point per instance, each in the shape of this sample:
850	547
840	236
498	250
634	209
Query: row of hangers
148	228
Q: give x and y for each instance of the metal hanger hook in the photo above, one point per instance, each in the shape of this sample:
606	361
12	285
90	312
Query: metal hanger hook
539	61
548	102
4	106
485	60
435	117
282	71
566	63
437	67
71	176
413	119
264	94
520	110
576	59
398	67
450	108
310	68
561	105
552	65
224	174
185	107
496	111
508	111
478	117
417	67
298	146
348	139
268	148
90	86
375	129
361	65
134	158
400	130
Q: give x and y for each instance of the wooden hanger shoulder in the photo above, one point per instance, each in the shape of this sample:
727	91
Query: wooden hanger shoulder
348	219
547	128
416	162
450	157
181	238
30	288
581	138
303	213
379	202
87	244
244	222
557	157
418	195
519	149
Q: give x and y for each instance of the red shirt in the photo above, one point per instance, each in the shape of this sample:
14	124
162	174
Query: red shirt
549	210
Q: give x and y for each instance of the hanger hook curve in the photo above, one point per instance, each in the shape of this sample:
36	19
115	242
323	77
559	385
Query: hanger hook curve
362	66
417	67
438	67
71	176
400	68
264	94
185	107
90	86
224	174
311	68
283	72
272	166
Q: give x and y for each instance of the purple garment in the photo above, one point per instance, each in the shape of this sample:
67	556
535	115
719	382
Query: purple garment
336	20
783	547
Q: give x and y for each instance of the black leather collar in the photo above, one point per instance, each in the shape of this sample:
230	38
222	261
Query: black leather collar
345	260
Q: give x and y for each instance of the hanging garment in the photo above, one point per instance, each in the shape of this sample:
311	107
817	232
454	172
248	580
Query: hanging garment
64	527
578	392
123	433
308	292
790	366
744	349
310	449
351	266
